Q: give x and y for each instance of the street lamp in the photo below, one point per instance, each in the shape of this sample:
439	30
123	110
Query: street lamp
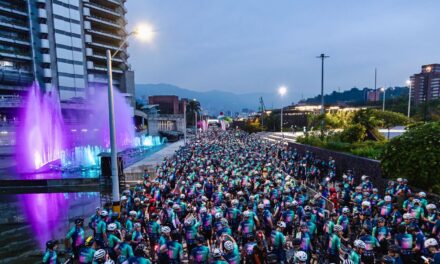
408	82
144	32
383	103
282	91
195	121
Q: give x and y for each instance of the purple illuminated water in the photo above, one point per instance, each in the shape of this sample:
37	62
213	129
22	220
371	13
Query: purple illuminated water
40	133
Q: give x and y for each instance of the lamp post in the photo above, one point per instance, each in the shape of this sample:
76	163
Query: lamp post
383	99
408	82
282	91
184	121
195	121
144	32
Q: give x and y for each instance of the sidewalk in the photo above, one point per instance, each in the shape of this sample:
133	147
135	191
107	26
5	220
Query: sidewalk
135	172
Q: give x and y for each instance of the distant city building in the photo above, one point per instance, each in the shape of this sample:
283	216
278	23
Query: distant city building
170	114
167	104
62	44
425	86
374	95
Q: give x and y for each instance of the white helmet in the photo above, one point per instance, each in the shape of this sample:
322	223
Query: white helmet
229	245
347	261
234	202
203	210
431	207
165	229
246	214
301	256
366	203
176	207
359	244
387	198
407	216
217	253
133	213
124	198
422	194
112	227
218	215
260	206
110	261
345	210
338	228
182	196
294	203
281	224
104	213
416	201
431	242
99	255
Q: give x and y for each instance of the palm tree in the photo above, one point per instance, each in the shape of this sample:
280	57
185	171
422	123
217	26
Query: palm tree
192	107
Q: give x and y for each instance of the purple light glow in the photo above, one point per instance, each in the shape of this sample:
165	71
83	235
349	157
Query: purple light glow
39	136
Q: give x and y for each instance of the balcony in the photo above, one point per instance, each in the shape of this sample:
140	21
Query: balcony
15	76
45	44
103	57
104	10
104	46
46	58
105	22
15	55
13	23
42	13
47	73
11	8
14	39
44	29
104	69
105	34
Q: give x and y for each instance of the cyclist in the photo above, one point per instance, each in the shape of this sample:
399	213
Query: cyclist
50	256
87	251
76	233
200	254
174	249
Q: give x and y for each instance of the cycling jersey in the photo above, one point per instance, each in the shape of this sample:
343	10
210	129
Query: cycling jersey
200	255
86	255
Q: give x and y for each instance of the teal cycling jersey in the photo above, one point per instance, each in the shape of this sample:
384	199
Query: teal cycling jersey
86	255
200	254
77	236
50	257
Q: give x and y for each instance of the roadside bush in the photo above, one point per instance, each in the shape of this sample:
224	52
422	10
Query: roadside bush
354	133
415	155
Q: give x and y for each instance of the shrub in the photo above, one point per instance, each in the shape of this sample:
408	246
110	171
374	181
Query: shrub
415	155
354	133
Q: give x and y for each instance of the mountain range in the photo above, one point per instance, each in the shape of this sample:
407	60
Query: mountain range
213	101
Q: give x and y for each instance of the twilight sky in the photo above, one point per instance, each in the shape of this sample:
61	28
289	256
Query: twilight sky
256	45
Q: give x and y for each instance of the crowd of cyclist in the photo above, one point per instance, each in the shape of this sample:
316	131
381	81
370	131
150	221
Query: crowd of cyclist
231	197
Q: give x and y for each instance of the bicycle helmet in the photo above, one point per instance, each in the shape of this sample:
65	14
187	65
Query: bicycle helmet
137	225
104	213
431	242
366	203
153	216
260	206
218	215
89	241
182	196
388	260
217	253
307	208
387	198
51	244
99	255
110	261
407	216
234	202
165	230
229	245
132	213
347	261
112	227
422	194
359	244
301	256
281	224
246	214
431	207
203	210
338	228
224	221
345	210
79	221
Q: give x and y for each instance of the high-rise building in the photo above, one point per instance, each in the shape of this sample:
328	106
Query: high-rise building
62	45
425	86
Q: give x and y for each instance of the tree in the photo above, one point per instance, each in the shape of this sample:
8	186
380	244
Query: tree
192	108
388	119
415	155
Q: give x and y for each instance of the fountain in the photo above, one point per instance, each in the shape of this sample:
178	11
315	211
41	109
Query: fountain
40	134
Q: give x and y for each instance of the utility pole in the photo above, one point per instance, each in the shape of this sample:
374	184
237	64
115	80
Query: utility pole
322	57
375	84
